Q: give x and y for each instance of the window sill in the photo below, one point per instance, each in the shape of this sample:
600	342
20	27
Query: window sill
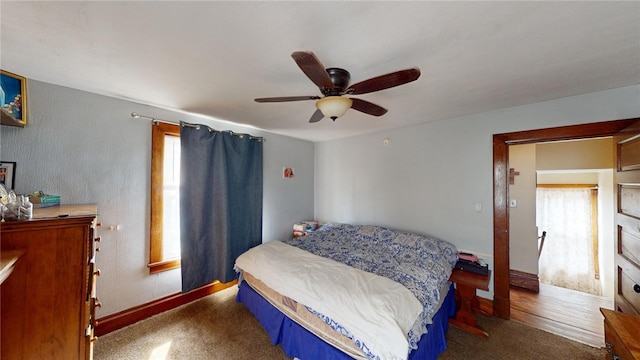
161	266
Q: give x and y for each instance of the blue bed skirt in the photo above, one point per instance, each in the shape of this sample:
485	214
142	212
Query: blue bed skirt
299	342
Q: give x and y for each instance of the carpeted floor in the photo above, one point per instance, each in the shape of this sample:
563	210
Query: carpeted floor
515	341
217	327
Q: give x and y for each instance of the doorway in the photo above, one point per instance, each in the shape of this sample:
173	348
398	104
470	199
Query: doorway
557	188
565	189
501	142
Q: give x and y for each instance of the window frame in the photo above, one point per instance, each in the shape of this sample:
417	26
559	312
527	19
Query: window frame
156	262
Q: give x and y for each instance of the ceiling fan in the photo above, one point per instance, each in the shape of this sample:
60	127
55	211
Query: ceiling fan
334	84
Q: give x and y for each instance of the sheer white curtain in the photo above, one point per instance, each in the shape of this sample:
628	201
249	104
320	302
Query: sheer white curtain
567	258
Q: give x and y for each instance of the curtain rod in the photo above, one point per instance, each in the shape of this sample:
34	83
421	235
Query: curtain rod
136	115
567	186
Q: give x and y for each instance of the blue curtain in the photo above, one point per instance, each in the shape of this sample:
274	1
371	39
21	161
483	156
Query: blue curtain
220	202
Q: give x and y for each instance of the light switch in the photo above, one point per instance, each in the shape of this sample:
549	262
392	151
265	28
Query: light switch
478	207
513	203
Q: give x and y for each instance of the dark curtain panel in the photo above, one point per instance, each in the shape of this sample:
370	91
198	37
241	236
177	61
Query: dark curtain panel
220	202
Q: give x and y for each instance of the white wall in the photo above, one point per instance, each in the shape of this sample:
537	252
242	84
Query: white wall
87	148
606	234
431	175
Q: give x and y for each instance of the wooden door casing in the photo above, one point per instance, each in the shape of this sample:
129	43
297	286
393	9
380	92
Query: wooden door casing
501	302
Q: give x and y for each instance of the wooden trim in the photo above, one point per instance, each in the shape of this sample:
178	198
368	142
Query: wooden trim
130	316
158	132
163	266
594	231
501	303
486	305
571	132
524	280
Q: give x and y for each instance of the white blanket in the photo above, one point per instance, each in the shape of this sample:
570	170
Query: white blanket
376	310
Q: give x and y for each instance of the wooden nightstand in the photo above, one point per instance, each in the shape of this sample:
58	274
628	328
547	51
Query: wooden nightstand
466	285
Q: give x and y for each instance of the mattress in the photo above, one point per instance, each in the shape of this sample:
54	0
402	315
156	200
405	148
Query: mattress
300	342
301	315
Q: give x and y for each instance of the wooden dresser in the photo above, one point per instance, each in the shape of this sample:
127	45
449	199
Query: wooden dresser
48	301
627	221
621	335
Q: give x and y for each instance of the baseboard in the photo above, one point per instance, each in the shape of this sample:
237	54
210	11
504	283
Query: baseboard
130	316
486	305
524	280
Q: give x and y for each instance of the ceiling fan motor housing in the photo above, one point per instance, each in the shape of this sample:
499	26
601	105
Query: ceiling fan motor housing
340	79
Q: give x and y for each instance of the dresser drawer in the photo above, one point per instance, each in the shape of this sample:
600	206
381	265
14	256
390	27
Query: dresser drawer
629	286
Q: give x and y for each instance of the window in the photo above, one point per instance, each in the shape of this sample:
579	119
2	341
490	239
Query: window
569	215
164	249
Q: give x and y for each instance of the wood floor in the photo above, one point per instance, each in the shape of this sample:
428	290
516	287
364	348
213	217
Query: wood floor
563	312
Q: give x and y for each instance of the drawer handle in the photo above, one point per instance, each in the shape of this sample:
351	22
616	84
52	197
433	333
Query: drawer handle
636	288
611	351
97	239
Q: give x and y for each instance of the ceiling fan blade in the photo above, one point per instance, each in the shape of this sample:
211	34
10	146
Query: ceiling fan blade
313	68
317	116
367	107
286	98
384	81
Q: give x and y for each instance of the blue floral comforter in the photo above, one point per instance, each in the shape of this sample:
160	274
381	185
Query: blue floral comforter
422	264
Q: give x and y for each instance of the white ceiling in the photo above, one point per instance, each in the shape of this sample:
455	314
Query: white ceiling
213	58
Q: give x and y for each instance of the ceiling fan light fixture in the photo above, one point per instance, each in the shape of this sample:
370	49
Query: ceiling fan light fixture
334	106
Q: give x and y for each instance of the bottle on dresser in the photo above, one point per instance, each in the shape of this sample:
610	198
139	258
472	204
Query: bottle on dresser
26	208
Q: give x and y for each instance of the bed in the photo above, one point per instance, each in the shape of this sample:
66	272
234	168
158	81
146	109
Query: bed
352	291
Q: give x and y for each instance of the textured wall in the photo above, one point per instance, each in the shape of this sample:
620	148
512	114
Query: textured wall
87	148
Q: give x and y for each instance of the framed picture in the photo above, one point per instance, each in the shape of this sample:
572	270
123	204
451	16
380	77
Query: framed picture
287	173
13	97
7	174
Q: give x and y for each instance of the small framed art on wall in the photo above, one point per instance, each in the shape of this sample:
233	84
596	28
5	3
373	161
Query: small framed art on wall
7	174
